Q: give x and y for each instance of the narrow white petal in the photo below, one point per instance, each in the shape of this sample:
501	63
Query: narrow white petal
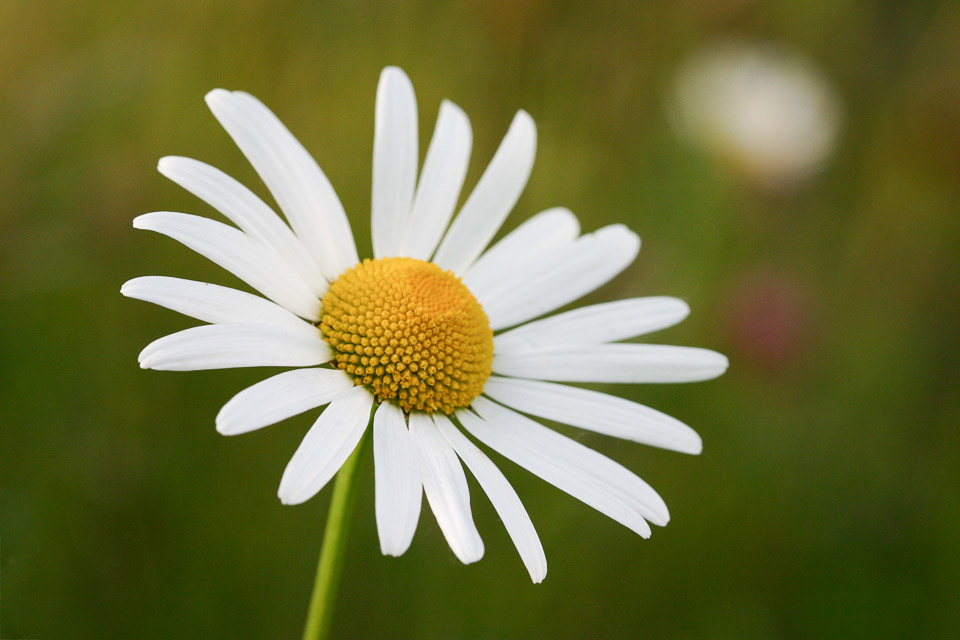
397	479
280	397
503	497
208	302
246	210
563	276
327	445
292	176
443	172
492	199
446	489
585	474
596	324
225	346
542	234
633	363
599	412
257	265
395	159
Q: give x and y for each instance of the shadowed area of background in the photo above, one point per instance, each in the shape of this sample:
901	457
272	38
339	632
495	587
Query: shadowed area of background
826	502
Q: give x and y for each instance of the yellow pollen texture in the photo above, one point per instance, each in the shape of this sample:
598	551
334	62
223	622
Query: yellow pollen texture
409	331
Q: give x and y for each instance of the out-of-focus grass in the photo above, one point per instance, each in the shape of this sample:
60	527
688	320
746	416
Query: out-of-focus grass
825	503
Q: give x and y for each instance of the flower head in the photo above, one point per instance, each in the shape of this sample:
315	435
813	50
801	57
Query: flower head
434	337
765	110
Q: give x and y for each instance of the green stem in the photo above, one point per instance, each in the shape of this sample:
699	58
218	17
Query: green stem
330	566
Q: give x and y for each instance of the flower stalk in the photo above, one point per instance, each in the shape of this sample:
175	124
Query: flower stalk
330	564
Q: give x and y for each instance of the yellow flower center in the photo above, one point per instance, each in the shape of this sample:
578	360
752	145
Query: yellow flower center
409	331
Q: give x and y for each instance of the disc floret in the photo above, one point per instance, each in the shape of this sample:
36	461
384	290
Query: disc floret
410	332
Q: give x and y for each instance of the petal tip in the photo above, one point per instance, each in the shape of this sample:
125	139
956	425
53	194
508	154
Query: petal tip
718	365
395	83
695	448
725	361
393	550
216	97
143	221
525	123
469	556
288	497
660	517
453	109
524	116
223	426
169	164
628	237
393	73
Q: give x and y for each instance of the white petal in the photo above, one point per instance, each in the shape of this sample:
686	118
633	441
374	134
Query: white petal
208	302
245	210
633	363
446	489
563	276
327	445
504	499
542	234
606	322
394	162
280	397
443	172
397	478
585	474
595	411
497	191
292	176
224	346
257	265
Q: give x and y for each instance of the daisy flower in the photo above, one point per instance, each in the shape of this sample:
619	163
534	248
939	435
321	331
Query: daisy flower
435	342
766	110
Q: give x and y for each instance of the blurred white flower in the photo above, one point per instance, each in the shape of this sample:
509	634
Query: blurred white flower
764	109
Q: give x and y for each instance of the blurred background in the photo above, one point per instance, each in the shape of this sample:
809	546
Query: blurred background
793	170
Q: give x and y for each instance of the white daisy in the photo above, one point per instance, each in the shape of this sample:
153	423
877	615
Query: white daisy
765	109
434	336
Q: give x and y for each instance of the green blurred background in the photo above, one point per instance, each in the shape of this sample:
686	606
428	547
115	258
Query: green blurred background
826	502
